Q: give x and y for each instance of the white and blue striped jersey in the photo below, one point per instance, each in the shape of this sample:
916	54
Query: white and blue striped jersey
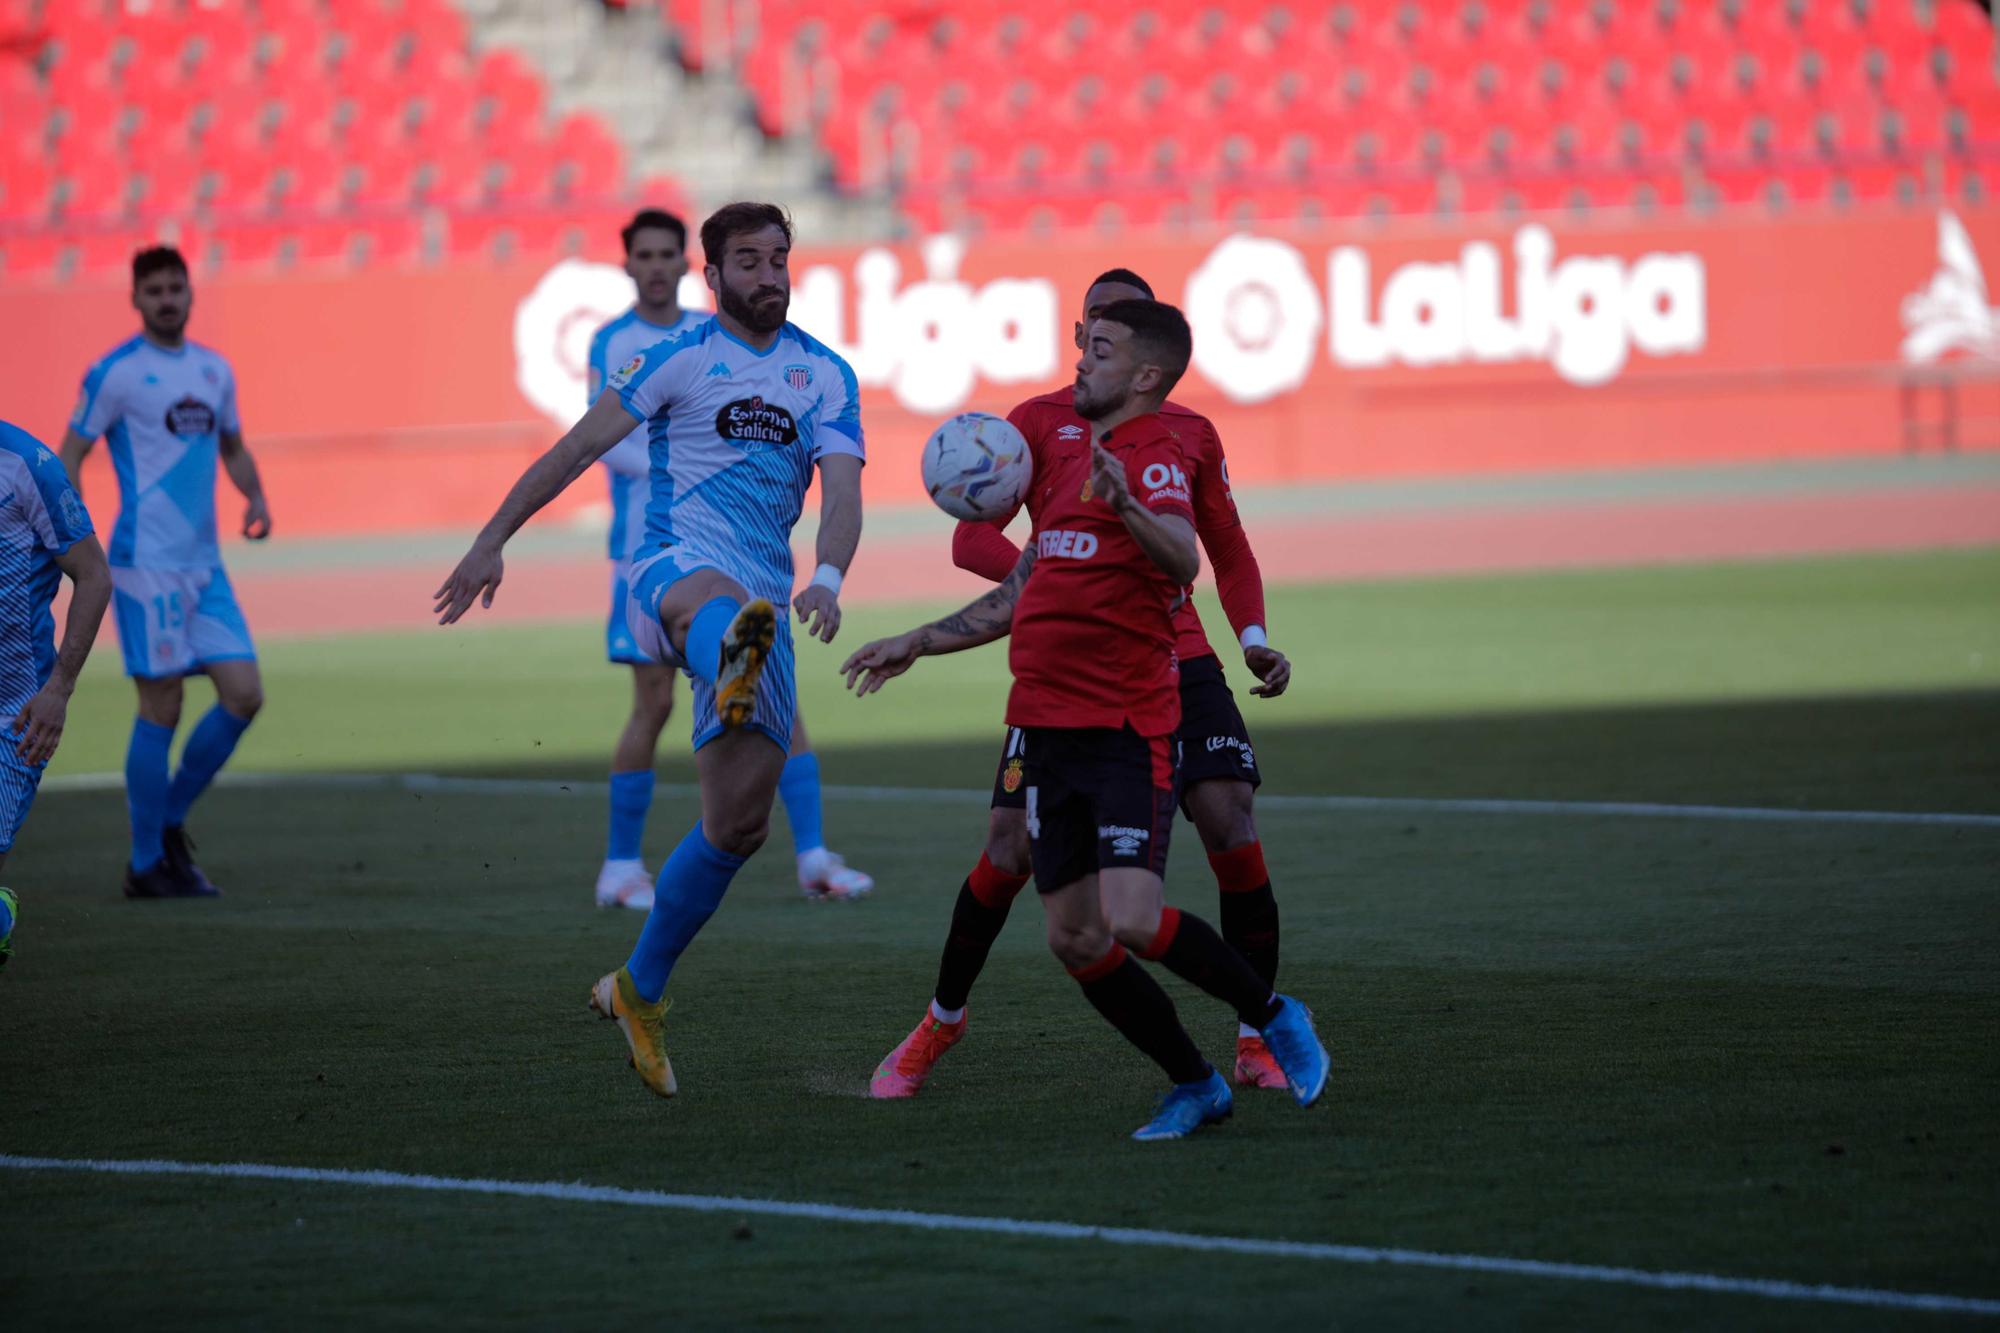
41	517
626	465
162	413
733	435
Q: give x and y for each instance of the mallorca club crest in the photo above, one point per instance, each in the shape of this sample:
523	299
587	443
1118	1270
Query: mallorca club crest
1010	778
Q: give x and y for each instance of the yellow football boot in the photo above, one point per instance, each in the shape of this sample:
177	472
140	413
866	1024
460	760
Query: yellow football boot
644	1026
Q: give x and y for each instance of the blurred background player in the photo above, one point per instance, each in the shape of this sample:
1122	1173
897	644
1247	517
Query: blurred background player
1218	767
167	407
739	411
1089	606
656	260
44	534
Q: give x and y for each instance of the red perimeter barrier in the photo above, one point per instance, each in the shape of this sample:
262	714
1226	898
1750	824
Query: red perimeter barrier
401	400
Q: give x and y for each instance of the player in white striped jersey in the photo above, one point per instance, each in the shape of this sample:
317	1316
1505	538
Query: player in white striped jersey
167	408
44	535
655	244
740	410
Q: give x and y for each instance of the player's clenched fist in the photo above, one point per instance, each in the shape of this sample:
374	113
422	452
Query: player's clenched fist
478	575
819	611
875	664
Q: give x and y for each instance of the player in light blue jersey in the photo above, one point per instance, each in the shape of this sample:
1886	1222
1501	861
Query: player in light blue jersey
739	410
167	409
44	534
656	259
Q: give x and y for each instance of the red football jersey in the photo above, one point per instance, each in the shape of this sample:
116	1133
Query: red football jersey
1050	421
1093	636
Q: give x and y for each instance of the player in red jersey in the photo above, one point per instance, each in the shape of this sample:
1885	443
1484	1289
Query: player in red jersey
1218	767
1096	697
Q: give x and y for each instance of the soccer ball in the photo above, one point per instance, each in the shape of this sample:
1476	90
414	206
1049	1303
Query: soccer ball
976	467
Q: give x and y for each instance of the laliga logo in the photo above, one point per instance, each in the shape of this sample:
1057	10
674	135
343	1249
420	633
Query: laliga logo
927	342
931	341
1257	313
1951	312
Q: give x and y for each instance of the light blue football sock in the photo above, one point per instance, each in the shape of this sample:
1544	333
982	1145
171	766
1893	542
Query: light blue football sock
146	789
631	797
690	888
208	748
704	636
798	785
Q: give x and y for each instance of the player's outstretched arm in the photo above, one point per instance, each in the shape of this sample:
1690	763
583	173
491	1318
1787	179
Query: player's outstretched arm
39	725
987	619
242	470
818	603
1167	539
478	574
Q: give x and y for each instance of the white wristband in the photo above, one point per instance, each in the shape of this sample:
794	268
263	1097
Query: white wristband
1252	637
826	576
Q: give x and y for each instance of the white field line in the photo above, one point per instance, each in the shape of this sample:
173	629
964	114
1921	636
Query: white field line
1711	1283
1391	805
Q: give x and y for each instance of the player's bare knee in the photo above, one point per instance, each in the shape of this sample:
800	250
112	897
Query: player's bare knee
1134	925
1077	945
241	703
160	701
739	837
1224	815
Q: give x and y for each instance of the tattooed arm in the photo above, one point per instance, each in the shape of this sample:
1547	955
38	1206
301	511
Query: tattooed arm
987	619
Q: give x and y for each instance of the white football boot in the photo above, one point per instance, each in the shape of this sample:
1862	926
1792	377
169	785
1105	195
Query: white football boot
825	878
625	884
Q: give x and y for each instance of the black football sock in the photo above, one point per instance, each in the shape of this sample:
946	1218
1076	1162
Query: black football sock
1133	1002
976	921
1192	951
1249	914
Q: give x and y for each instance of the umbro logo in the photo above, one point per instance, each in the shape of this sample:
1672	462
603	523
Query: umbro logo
1069	432
718	369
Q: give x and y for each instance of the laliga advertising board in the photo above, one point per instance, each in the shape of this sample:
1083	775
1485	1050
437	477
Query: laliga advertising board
1349	352
1429	350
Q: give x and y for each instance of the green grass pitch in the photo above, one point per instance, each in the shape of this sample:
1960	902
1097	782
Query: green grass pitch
1753	1049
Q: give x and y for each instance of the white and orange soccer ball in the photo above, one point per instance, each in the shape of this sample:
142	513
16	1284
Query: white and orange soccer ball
977	467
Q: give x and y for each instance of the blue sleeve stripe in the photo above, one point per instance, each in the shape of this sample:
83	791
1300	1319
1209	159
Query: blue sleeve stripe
93	380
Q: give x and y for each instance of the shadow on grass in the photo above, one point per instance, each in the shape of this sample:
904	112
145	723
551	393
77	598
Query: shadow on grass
1928	751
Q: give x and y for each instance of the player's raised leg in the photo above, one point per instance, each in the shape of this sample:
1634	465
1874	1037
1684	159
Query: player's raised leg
623	880
977	917
824	875
1224	817
722	634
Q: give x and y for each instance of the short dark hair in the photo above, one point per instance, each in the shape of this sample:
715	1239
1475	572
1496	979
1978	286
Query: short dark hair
658	218
1124	277
156	259
1161	333
735	219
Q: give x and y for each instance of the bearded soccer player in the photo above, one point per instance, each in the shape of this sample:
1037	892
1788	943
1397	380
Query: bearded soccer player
1096	696
656	259
44	535
739	410
1218	768
167	408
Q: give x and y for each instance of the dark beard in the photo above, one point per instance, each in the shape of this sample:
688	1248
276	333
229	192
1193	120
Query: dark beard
758	320
1094	410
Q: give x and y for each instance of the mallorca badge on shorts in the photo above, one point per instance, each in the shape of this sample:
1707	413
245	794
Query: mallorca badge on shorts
1010	778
